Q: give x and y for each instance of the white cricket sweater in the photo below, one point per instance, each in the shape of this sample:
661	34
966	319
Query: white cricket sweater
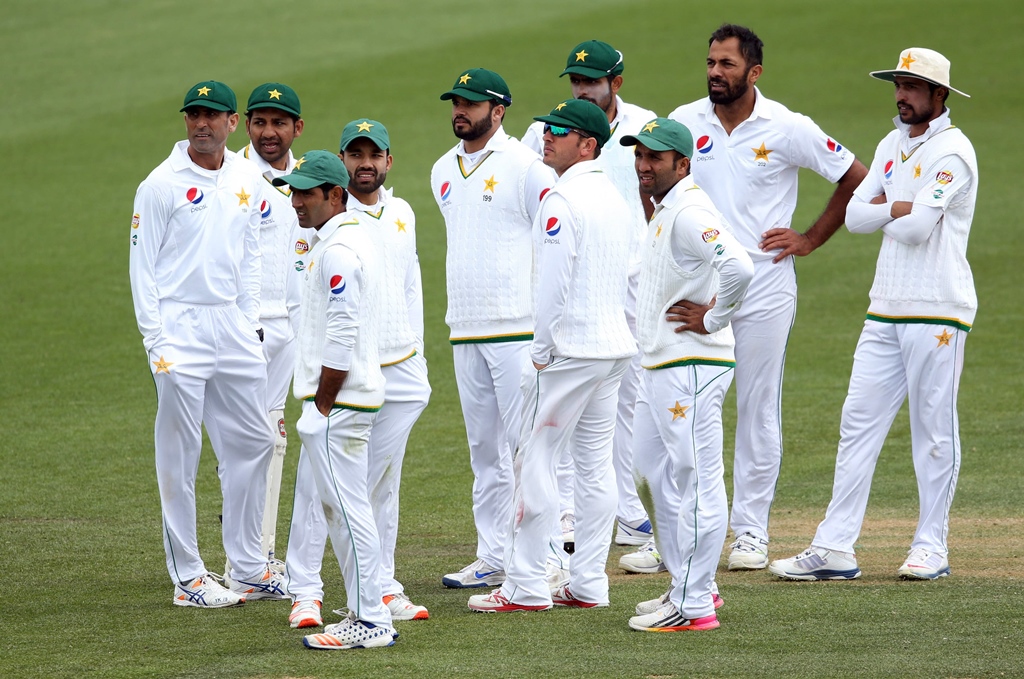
583	241
689	254
339	326
278	223
400	312
931	280
489	260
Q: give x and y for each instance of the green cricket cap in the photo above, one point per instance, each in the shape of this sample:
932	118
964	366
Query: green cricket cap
364	127
479	84
313	169
211	94
662	134
582	115
594	59
275	95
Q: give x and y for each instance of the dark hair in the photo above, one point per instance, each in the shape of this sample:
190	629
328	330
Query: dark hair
750	45
326	189
932	87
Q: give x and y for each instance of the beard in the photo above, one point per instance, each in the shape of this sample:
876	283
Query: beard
916	117
604	104
733	91
370	187
475	131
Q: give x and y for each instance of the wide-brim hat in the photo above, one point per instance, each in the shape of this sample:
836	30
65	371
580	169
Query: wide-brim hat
923	63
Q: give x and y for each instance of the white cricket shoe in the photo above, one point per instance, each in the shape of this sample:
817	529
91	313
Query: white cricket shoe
495	602
476	574
205	592
403	609
644	560
351	633
563	597
669	619
633	532
305	614
568	525
269	585
648	607
748	553
815	563
922	564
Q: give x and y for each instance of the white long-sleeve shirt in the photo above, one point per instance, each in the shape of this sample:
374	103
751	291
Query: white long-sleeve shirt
194	239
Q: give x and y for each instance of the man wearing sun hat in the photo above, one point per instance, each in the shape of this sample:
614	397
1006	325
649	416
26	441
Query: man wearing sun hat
581	348
488	188
595	73
194	268
338	378
920	191
689	254
272	122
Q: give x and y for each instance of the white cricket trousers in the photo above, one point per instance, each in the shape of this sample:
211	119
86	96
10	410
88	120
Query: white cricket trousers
677	443
406	394
279	352
569	404
761	328
894	361
488	376
336	448
215	376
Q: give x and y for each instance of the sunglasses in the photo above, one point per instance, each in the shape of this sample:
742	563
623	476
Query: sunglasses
557	131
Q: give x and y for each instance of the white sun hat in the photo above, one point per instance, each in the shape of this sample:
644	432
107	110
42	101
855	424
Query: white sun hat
919	62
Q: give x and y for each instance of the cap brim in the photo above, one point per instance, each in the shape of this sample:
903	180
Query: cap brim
471	95
298	181
890	76
204	103
557	120
286	109
648	141
591	73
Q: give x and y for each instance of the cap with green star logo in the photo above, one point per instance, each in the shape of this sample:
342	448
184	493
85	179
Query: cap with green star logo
274	95
479	84
211	94
582	115
314	169
364	127
662	134
594	59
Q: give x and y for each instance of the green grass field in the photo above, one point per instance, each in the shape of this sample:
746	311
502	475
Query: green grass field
91	94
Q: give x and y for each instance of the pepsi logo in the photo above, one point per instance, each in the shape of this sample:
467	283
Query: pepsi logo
704	144
301	246
552	227
446	191
337	284
194	196
833	146
888	169
264	209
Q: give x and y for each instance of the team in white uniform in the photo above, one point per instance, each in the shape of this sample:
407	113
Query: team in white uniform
688	254
748	153
272	122
920	192
365	150
595	73
580	351
194	269
488	188
338	376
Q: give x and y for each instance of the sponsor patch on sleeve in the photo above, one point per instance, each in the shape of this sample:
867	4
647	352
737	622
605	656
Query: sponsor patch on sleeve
135	220
709	235
944	177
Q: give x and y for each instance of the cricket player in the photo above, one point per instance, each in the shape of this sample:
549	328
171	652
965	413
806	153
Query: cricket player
689	255
194	268
365	150
338	378
748	152
595	74
581	349
272	122
488	188
920	192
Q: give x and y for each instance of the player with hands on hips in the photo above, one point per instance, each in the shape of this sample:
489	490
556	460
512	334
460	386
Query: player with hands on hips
338	378
920	192
194	268
580	351
747	153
